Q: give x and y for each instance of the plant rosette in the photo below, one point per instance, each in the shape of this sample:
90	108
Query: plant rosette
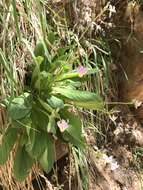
41	113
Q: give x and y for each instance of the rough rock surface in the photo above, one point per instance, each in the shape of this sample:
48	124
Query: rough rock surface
105	179
131	59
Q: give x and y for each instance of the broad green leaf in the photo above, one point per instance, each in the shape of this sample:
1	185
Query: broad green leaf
67	76
93	105
48	157
30	140
51	125
22	164
39	60
60	62
73	134
83	99
37	143
61	51
39	116
44	82
37	84
74	74
55	102
23	123
20	107
36	71
76	142
45	105
71	84
51	37
39	50
23	139
8	142
74	84
76	95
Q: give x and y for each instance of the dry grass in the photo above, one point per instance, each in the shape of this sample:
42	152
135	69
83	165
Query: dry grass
18	22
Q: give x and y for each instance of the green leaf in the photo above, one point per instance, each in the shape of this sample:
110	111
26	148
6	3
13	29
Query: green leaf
93	105
45	105
73	134
60	61
37	143
51	37
75	95
83	99
39	50
44	82
73	84
22	164
8	142
62	51
55	102
22	123
51	125
48	157
20	107
23	139
67	76
39	116
36	71
74	74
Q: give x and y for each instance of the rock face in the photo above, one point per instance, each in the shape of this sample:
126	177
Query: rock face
105	179
131	60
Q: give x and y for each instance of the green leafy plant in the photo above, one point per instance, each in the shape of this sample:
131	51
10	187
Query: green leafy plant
44	111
